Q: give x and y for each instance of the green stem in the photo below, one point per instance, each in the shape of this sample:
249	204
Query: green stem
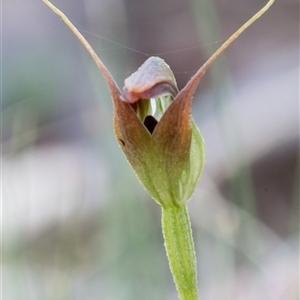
180	250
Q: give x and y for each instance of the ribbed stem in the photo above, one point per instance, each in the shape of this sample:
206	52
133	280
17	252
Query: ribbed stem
180	251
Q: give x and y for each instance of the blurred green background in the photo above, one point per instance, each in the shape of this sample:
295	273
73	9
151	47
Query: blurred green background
76	224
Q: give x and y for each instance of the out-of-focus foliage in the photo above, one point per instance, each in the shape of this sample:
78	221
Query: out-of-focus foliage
76	224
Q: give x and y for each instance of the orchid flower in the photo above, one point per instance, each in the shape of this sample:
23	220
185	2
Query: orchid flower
154	127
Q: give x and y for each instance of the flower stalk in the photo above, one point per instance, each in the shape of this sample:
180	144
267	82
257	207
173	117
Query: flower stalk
180	250
155	130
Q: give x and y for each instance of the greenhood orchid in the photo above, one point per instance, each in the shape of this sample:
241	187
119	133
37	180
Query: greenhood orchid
164	147
154	127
